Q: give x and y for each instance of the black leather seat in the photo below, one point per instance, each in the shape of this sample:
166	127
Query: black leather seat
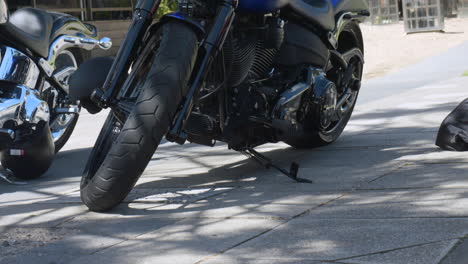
33	28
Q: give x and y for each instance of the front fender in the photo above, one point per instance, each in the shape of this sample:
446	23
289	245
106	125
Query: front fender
181	17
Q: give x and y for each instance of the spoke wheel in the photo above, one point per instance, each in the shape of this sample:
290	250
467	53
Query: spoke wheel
347	99
62	125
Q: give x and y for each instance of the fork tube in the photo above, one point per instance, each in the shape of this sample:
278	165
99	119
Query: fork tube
143	15
212	44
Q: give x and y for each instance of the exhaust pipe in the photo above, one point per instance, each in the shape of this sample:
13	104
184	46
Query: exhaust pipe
22	105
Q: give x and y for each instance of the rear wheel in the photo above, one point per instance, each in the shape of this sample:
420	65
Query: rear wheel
151	93
62	125
329	129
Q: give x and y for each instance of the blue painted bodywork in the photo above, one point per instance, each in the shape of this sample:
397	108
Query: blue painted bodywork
268	6
186	19
260	6
335	2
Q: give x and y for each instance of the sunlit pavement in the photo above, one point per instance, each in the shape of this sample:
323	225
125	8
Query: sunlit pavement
384	193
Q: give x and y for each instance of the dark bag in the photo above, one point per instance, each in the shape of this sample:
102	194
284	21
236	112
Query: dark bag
453	133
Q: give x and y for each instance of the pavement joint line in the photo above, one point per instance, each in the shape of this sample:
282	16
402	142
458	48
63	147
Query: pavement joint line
397	188
268	230
435	162
145	233
43	199
292	259
460	241
451	250
240	243
358	133
461	217
336	148
394	249
439	188
391	171
132	238
66	220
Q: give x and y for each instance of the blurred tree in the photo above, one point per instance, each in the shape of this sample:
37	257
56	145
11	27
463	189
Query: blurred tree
165	7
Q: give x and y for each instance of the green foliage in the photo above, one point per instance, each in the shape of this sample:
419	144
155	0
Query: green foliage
465	74
165	7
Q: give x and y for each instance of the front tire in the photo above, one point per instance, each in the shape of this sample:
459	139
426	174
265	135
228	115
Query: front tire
123	151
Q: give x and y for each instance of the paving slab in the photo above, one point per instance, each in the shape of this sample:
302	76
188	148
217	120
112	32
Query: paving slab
185	242
458	254
428	253
61	251
337	239
38	214
390	204
432	175
242	260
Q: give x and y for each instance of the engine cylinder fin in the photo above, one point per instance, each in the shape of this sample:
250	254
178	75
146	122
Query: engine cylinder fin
242	59
263	60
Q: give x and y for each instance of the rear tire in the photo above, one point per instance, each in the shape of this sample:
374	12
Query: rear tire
350	38
121	155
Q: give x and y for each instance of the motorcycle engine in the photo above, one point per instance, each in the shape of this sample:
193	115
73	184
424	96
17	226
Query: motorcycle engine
250	52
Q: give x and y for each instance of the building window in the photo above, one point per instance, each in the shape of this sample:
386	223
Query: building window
111	9
84	9
72	7
15	4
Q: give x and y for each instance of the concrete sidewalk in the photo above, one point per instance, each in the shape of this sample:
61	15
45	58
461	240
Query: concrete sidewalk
382	194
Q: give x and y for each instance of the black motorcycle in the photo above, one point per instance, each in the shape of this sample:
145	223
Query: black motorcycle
244	72
39	51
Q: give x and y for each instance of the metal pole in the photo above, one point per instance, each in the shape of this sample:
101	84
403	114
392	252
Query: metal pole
89	10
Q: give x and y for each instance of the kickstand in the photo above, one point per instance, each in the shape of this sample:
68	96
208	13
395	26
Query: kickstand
7	175
267	163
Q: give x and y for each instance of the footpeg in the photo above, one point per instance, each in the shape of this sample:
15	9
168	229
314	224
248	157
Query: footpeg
267	163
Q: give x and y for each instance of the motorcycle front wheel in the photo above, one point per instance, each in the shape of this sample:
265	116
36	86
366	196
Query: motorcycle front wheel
153	90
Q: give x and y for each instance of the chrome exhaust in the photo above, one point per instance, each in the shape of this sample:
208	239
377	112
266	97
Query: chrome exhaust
22	106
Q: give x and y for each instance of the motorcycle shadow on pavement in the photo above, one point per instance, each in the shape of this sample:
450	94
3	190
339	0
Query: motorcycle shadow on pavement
365	155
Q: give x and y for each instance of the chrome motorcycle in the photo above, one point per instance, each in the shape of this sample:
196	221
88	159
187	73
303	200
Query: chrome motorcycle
244	72
39	51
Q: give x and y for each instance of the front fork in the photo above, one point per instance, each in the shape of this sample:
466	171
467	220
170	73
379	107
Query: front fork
142	20
145	11
212	44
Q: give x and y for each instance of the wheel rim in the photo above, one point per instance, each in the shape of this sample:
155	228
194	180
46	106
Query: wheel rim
61	122
345	109
106	139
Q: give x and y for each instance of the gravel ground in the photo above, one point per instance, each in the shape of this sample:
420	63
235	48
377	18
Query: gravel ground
388	48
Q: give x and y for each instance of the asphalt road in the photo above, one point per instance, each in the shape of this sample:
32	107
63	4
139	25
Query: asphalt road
383	193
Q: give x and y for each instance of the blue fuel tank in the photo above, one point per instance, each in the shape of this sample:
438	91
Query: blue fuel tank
261	6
